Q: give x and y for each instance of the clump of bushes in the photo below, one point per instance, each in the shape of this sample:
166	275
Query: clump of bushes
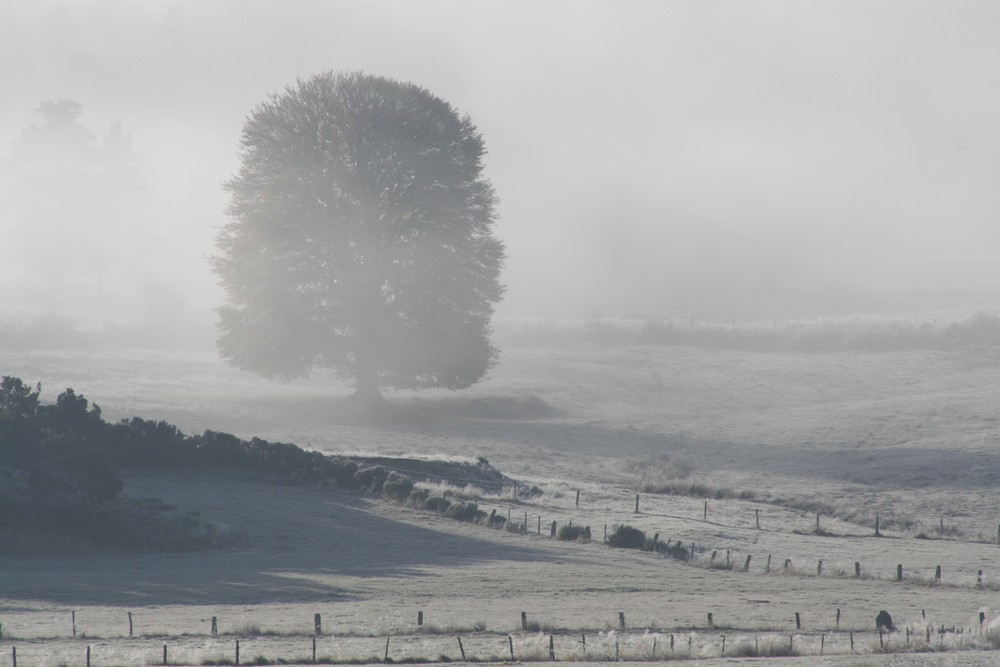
574	533
465	511
626	537
59	472
397	487
371	478
437	504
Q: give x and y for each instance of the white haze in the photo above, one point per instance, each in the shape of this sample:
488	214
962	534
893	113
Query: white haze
714	159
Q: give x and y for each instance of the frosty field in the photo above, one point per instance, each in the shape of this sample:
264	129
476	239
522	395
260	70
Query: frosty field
909	437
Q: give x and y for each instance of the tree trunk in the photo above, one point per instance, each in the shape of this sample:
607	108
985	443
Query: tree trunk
367	400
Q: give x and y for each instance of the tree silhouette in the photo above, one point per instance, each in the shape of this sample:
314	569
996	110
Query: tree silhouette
75	202
360	239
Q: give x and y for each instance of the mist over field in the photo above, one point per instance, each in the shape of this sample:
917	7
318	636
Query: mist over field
686	313
708	160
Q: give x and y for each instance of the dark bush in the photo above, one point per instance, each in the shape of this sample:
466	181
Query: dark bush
627	537
371	478
437	504
397	487
569	532
464	511
418	497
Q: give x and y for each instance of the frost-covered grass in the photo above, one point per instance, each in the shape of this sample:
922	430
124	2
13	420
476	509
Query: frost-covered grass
905	435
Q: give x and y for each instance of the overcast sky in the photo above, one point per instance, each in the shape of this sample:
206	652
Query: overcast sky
715	159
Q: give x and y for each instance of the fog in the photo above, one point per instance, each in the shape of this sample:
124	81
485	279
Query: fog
690	159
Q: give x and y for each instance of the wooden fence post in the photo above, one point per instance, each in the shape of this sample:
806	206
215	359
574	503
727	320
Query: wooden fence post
798	621
552	648
510	642
877	534
164	654
637	503
746	565
317	624
899	572
420	618
524	621
461	649
857	568
237	651
130	624
578	497
385	658
215	625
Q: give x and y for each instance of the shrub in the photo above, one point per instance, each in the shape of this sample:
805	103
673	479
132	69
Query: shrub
397	487
569	532
465	512
371	478
418	497
437	504
627	537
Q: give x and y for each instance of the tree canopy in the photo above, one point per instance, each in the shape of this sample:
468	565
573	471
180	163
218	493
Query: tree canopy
73	202
360	238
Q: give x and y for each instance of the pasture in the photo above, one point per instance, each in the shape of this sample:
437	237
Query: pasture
779	457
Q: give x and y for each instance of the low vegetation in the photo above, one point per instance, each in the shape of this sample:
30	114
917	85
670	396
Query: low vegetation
571	532
978	332
60	475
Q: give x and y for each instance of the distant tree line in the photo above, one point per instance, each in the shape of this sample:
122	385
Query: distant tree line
979	331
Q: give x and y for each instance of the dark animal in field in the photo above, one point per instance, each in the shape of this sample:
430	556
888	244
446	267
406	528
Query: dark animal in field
884	621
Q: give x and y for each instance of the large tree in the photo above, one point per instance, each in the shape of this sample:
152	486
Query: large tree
360	239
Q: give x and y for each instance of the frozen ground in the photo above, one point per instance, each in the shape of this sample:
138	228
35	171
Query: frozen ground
910	437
